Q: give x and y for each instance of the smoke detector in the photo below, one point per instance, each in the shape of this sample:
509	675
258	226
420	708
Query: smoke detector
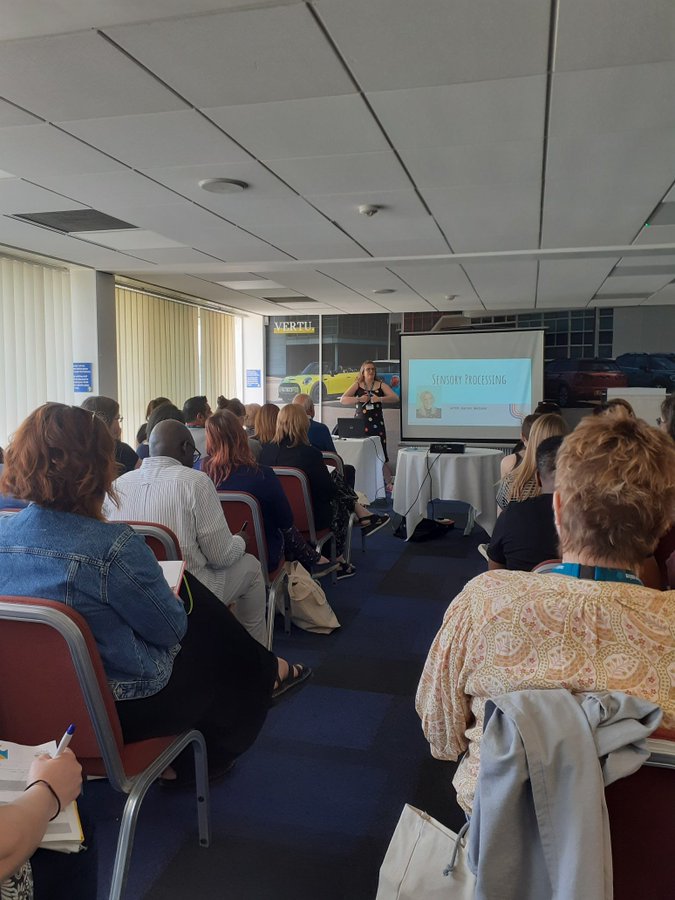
368	209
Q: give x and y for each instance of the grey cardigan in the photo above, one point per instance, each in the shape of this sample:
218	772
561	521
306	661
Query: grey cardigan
539	828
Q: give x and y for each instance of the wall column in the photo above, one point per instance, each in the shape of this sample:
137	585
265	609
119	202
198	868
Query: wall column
94	329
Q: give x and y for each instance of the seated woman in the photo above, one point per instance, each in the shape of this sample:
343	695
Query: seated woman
237	408
51	785
521	482
291	447
513	460
108	411
165	676
588	626
266	422
231	466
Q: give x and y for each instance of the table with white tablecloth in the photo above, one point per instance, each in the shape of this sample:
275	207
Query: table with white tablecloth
367	457
471	477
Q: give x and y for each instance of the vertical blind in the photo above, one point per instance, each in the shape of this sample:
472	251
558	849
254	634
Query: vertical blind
36	353
160	353
217	357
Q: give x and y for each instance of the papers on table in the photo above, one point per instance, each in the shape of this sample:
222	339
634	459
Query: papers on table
65	832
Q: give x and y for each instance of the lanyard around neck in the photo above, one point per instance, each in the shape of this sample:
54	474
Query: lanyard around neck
595	573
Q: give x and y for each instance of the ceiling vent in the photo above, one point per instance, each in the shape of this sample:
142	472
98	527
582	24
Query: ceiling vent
290	301
69	220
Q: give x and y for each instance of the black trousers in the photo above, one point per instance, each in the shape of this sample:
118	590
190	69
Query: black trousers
221	683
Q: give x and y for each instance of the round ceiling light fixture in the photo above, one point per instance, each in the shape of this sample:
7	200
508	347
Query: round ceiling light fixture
222	185
384	291
369	209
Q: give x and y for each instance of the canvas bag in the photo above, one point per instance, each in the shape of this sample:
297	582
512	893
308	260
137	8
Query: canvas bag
309	608
425	861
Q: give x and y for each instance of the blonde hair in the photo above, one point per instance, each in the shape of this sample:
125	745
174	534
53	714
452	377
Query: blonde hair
293	423
266	422
368	362
546	426
616	480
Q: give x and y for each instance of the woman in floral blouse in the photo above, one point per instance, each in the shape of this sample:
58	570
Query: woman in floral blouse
589	624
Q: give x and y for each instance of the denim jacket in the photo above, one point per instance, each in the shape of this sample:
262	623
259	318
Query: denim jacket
106	573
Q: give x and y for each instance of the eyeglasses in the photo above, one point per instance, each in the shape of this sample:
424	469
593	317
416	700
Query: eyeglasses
659	421
119	419
195	454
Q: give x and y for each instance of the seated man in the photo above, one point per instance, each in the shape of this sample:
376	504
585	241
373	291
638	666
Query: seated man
196	411
525	533
167	490
319	435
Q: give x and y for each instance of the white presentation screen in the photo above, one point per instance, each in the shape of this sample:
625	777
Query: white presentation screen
469	386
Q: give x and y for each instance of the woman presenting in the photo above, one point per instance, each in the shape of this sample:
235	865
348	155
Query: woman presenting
368	394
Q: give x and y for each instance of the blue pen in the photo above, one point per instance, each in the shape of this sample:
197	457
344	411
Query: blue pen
65	740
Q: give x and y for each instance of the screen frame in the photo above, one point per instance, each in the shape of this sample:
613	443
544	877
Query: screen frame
499	440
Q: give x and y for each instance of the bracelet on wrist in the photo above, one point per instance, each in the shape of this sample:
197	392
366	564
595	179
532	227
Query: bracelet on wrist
52	792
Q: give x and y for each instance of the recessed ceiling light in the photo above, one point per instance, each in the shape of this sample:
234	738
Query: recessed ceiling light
384	291
222	185
450	297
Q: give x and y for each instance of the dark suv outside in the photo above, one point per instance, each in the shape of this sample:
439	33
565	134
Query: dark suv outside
567	380
648	369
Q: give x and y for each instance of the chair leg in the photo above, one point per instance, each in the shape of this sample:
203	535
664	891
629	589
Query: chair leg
132	808
271	612
353	519
333	559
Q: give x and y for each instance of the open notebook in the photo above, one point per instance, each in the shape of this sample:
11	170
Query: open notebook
65	832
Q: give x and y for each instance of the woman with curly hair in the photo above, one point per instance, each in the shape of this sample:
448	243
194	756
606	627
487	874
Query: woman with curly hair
165	676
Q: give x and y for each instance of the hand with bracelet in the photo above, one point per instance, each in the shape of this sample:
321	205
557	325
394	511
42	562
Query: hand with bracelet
52	784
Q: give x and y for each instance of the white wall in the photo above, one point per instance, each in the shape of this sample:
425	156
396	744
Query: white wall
253	357
644	329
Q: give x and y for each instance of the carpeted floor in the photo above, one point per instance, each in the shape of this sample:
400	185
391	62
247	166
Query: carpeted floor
309	811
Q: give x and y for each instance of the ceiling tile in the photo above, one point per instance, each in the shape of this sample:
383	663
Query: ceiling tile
87	77
666	296
571	282
325	126
595	34
501	283
636	285
11	115
512	109
504	163
108	190
176	256
240	57
32	151
185	180
129	239
21	18
159	139
606	101
343	174
657	234
436	281
17	196
381	38
497	217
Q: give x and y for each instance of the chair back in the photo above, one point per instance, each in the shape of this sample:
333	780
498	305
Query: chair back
332	459
160	539
51	675
241	508
642	825
295	485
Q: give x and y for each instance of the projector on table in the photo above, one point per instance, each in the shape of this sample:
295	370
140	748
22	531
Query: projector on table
447	448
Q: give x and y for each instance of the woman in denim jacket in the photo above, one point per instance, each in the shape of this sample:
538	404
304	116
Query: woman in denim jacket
165	676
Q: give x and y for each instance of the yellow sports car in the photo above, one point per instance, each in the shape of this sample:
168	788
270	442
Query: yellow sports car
332	383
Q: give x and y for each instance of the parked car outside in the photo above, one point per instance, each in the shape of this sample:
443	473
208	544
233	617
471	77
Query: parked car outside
648	369
333	383
389	370
568	380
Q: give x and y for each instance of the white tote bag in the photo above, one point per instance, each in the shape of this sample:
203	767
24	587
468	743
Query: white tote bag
425	861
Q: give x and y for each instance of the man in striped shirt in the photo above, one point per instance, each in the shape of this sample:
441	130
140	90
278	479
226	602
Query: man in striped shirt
167	490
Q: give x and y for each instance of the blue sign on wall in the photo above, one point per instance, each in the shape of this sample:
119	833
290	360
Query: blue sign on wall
253	378
83	377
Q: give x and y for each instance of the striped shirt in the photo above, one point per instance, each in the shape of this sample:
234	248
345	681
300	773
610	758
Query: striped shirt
186	501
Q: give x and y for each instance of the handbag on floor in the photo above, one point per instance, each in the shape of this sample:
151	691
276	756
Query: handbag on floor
309	608
425	861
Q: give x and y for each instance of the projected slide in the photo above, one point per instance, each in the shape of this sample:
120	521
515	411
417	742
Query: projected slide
470	392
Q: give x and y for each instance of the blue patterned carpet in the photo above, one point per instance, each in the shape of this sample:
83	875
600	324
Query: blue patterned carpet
309	811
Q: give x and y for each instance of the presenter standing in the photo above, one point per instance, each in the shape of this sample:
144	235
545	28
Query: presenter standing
367	395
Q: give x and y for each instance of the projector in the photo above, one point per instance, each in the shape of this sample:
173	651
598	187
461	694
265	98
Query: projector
447	448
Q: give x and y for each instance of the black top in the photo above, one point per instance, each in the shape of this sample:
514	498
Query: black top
310	460
125	457
525	534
